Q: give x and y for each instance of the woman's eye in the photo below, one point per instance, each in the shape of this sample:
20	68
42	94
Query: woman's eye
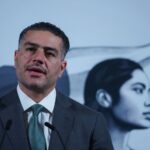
138	90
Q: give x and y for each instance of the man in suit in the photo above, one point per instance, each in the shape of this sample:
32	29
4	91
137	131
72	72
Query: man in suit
40	61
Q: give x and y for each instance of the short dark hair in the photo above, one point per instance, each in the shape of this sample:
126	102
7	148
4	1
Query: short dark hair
109	75
46	26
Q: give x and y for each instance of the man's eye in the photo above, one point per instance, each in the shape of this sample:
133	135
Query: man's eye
47	53
31	49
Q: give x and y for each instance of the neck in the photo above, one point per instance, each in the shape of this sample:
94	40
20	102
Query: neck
119	135
36	95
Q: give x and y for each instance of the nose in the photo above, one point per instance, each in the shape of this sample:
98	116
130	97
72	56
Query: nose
147	102
39	56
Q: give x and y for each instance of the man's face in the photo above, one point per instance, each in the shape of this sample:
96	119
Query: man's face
39	60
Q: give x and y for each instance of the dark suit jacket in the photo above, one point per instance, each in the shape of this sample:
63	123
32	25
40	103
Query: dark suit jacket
80	128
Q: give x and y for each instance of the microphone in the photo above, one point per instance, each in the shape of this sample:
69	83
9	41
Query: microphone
6	128
50	126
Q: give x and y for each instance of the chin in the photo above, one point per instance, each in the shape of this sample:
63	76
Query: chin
36	87
141	125
131	125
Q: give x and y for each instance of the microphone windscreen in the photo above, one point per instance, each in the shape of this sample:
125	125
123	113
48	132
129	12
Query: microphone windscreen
49	126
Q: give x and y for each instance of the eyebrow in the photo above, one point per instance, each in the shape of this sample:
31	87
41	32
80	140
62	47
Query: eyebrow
139	83
37	45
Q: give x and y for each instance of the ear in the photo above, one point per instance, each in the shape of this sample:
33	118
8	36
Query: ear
103	98
63	67
15	56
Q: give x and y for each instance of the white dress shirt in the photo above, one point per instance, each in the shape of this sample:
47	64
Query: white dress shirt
46	116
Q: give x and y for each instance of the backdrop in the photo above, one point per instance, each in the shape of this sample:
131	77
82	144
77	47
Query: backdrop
81	60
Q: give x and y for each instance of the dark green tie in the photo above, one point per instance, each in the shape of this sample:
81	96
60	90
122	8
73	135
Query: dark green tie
35	131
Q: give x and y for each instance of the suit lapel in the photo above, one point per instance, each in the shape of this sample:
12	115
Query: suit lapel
13	111
63	121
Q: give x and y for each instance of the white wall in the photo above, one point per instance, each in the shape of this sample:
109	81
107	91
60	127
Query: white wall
86	22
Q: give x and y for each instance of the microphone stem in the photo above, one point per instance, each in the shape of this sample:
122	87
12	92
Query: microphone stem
60	139
47	124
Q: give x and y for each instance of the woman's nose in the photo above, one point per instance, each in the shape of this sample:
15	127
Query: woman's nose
147	102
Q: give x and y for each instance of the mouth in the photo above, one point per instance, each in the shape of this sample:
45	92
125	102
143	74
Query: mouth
36	71
147	115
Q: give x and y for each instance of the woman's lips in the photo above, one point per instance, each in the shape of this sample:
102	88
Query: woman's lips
147	115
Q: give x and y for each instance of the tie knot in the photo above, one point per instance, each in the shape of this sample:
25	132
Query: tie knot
36	109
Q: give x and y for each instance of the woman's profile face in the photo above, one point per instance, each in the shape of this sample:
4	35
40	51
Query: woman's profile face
133	107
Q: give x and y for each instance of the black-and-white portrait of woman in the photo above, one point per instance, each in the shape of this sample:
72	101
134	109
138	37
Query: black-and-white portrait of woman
120	89
115	81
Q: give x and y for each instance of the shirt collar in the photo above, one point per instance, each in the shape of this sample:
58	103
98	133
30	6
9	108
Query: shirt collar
47	102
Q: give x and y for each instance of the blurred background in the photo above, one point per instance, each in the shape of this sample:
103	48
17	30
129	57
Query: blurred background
86	22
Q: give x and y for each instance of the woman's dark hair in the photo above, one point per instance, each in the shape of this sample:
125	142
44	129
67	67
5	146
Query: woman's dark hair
108	75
